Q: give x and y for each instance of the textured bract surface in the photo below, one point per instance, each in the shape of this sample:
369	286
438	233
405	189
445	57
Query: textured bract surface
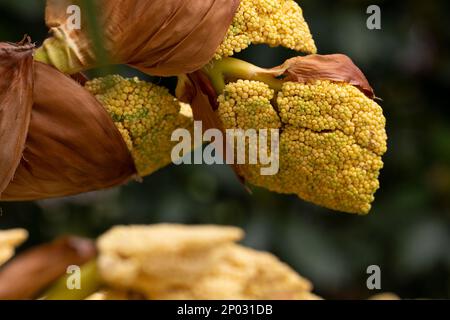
332	138
271	22
146	116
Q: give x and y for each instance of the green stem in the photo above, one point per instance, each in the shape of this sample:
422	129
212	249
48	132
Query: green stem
57	52
41	55
230	69
90	283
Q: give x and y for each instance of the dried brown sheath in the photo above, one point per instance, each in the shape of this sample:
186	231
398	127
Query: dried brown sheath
33	271
159	37
16	99
72	145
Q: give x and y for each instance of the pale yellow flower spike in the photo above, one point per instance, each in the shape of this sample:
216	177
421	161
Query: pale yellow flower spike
146	115
194	263
9	240
271	22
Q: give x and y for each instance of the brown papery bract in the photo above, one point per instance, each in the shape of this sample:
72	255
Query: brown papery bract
72	145
33	271
334	67
16	99
198	89
158	37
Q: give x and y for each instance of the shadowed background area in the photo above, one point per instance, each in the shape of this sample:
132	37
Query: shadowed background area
407	233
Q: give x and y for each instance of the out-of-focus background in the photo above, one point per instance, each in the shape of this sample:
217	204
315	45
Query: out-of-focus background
407	233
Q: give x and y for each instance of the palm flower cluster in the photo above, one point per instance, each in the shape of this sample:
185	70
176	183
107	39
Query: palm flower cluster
271	22
332	132
331	141
158	37
145	114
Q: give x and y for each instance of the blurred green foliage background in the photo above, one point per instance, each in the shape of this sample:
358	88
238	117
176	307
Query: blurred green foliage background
408	231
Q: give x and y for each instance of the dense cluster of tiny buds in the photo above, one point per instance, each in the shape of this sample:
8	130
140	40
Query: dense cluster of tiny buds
271	22
145	114
331	142
247	105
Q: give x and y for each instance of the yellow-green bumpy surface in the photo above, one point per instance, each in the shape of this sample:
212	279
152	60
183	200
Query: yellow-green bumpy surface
146	116
332	138
271	22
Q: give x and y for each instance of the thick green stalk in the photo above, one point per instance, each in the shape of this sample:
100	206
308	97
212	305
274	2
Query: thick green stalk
231	69
89	280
